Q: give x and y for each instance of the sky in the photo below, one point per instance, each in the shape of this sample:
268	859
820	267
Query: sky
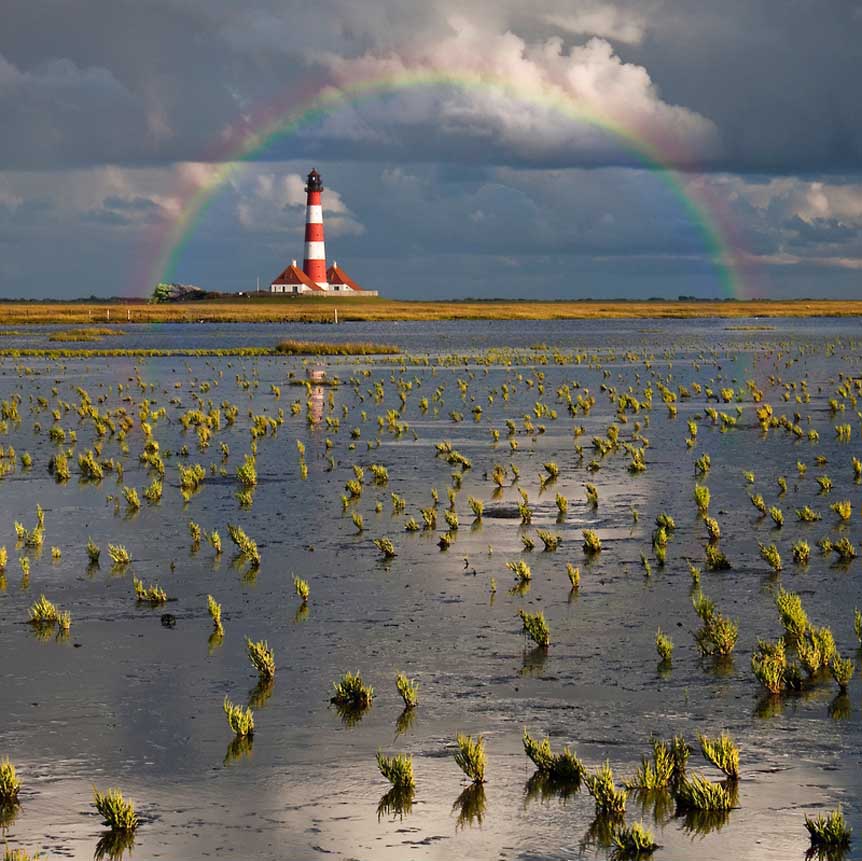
630	149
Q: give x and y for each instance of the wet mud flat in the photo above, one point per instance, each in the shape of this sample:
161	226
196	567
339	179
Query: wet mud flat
132	700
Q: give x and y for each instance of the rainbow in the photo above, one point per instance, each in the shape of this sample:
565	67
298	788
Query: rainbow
237	148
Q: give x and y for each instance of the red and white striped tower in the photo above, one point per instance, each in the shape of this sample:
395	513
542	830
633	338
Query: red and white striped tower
314	264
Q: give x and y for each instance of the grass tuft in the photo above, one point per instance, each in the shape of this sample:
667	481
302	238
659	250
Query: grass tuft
470	757
117	813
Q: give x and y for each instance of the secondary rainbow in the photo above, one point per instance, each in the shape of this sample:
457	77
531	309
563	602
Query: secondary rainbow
237	149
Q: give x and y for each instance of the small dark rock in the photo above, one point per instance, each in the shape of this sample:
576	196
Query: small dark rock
169	620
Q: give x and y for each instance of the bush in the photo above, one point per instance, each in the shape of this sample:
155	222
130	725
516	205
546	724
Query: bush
698	793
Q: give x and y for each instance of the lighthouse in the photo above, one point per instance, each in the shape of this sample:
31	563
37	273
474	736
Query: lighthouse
314	278
314	263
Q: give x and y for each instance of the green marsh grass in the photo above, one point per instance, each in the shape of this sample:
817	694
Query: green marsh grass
10	785
386	547
153	594
261	657
350	691
663	645
535	627
842	670
470	756
829	832
609	800
302	589
632	842
119	555
397	769
214	609
117	813
592	543
574	575
563	767
408	689
239	719
699	793
722	753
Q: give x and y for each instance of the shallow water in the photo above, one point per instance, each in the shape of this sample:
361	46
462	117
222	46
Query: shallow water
127	702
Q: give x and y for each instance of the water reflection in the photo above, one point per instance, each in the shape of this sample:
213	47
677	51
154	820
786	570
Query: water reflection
259	695
657	803
8	812
398	802
239	748
545	788
113	845
534	661
839	708
404	721
823	853
470	806
350	713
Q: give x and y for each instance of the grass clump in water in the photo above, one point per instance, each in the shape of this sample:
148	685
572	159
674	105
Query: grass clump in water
842	671
350	691
397	769
239	719
302	589
592	542
470	757
117	813
386	547
535	627
10	785
610	801
563	767
119	555
718	634
408	689
262	658
698	793
149	594
632	841
663	645
214	609
722	753
348	348
829	832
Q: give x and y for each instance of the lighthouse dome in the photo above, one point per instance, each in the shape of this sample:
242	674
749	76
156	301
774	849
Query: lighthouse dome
314	182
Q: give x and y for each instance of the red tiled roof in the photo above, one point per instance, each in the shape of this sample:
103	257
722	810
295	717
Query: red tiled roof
294	275
334	275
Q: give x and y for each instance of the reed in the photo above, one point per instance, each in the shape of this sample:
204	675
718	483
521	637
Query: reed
93	552
470	756
769	552
842	670
702	498
574	575
521	570
43	612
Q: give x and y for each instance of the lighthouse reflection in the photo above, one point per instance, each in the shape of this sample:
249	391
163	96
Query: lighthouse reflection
315	405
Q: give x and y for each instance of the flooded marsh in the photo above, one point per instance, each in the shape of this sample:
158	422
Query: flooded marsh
533	589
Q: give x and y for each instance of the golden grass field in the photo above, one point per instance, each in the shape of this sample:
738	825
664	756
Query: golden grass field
312	310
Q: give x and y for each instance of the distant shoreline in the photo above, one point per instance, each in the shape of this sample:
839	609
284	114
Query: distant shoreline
266	309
